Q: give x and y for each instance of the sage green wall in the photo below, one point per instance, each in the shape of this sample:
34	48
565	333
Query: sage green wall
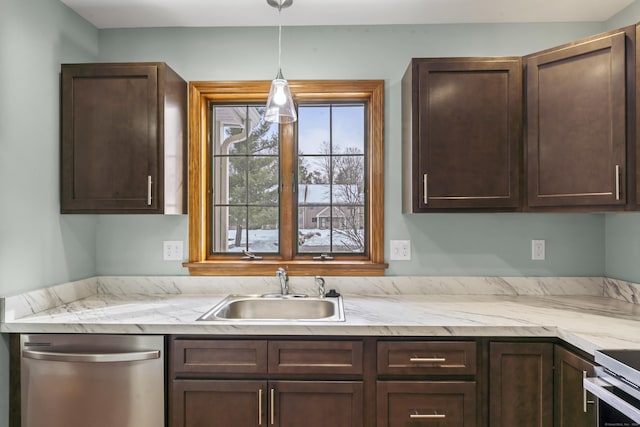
38	247
442	244
627	16
622	246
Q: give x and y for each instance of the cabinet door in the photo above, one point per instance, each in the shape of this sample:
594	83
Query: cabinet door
521	384
426	403
200	403
316	404
109	136
465	133
576	124
573	406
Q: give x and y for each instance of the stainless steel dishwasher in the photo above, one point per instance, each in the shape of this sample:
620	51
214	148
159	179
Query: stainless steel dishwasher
92	380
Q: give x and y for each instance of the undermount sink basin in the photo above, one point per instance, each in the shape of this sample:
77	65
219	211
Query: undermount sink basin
277	307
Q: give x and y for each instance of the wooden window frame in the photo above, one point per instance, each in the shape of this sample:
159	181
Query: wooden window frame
201	95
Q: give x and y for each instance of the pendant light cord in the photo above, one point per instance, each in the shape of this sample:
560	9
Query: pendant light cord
279	35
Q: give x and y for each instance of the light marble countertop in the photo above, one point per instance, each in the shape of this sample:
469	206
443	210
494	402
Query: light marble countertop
580	311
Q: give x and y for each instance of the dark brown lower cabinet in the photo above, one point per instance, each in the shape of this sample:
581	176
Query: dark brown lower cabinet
238	403
426	403
521	384
217	382
316	404
204	403
381	382
573	406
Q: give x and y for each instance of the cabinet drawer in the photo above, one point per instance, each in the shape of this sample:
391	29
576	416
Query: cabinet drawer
315	357
426	403
219	356
426	358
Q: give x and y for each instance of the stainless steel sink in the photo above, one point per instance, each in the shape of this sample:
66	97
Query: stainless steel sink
275	307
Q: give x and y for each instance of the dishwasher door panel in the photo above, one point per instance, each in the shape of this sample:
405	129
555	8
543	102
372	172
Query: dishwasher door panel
97	383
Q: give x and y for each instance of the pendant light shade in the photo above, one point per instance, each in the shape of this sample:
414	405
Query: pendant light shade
280	107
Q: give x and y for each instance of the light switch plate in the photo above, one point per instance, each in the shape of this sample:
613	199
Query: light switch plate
172	250
400	250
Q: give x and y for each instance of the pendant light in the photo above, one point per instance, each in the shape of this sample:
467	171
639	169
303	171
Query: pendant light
280	107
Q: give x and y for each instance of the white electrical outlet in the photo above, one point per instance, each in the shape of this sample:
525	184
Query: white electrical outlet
537	250
172	250
400	250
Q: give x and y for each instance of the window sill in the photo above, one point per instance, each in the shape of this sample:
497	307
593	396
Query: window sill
294	268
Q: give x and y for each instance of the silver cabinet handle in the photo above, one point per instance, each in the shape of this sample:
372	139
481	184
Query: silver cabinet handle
149	182
91	357
617	182
273	406
260	407
427	416
424	188
427	359
585	402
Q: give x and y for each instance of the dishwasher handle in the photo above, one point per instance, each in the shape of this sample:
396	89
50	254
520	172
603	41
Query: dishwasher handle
92	357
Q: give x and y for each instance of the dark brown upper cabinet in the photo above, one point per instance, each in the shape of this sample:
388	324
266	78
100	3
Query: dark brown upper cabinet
462	127
577	133
124	136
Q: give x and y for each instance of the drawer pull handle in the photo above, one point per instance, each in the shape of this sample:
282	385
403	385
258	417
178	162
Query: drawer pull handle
585	402
260	407
427	359
149	189
617	182
273	405
427	416
424	189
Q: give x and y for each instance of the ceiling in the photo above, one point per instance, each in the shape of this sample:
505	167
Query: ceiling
234	13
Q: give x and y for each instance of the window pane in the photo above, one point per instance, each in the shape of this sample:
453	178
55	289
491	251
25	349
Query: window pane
264	178
331	183
245	180
348	180
220	225
348	229
263	230
236	181
264	135
229	229
229	126
323	229
347	128
314	129
314	169
314	229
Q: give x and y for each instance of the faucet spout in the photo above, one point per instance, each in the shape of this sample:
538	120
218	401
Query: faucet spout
281	274
320	283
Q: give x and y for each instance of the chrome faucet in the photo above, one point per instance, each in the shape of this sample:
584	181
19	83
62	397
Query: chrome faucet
320	285
281	274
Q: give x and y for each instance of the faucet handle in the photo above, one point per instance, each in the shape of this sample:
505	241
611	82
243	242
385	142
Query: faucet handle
320	284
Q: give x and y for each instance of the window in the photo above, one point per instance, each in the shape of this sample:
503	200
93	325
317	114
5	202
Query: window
306	196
